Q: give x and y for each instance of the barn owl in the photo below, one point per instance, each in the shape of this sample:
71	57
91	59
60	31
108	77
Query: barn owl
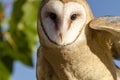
74	45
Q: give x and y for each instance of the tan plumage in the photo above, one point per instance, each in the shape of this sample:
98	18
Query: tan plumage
111	25
88	54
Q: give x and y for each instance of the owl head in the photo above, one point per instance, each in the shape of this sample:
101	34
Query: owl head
60	22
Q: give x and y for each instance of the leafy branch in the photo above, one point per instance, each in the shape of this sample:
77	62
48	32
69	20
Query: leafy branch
19	41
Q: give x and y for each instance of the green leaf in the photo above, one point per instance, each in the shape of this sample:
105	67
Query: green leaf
20	40
23	51
4	72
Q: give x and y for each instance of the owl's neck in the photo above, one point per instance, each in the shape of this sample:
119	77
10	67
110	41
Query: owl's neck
77	62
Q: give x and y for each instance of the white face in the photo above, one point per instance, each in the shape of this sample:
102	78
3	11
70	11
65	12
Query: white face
62	22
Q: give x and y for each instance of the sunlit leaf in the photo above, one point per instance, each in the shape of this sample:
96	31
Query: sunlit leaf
10	40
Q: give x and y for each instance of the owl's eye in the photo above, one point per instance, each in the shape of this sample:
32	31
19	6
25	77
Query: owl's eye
74	17
52	16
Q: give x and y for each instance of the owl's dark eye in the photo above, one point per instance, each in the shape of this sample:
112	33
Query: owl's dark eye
52	16
74	17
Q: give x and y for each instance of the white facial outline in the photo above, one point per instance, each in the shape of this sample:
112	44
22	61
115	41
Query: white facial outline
63	35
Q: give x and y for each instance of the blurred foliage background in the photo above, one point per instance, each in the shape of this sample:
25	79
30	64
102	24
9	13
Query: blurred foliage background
17	42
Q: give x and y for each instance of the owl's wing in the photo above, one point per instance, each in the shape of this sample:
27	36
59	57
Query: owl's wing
110	24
